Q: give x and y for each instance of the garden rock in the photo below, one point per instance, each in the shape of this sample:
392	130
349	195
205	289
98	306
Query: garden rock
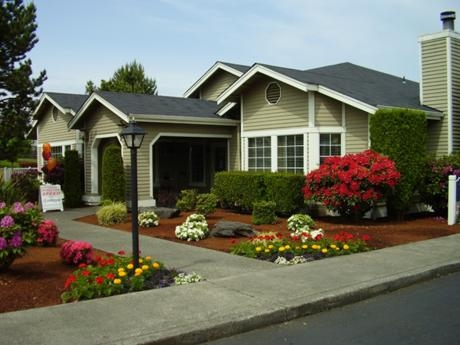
225	228
162	212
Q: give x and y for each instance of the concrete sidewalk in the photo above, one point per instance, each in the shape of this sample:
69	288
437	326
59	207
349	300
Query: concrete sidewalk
239	294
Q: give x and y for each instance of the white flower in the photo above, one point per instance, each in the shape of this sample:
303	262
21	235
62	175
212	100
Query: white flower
148	219
299	221
184	278
305	234
294	261
194	228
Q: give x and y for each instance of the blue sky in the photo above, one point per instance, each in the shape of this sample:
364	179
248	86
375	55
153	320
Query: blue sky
178	40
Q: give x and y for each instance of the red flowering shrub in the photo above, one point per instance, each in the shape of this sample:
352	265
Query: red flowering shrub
47	233
77	252
352	184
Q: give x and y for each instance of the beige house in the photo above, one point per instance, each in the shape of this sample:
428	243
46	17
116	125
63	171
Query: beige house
259	117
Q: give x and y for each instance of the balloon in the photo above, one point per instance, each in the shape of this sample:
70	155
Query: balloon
46	155
46	147
51	164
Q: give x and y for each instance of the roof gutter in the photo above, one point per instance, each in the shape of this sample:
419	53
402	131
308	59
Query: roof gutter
150	118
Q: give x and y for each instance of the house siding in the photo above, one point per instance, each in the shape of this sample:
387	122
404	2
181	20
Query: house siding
53	131
328	111
357	130
434	91
455	49
213	87
102	123
291	111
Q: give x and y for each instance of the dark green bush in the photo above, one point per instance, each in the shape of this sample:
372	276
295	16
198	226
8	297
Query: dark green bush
72	187
206	203
238	190
113	174
264	212
401	135
286	191
187	200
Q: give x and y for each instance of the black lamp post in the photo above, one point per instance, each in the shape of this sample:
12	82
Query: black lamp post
133	136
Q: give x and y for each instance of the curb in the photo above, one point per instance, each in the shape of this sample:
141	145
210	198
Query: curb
283	314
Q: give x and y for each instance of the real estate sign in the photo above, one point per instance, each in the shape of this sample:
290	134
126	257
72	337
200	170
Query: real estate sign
51	197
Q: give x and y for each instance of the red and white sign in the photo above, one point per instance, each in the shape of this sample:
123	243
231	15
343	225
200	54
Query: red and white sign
51	197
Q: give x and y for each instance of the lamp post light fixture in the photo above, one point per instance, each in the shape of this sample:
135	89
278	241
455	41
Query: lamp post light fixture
133	135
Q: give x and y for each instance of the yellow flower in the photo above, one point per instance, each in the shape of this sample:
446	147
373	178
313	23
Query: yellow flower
281	249
304	246
267	250
121	273
130	266
148	258
258	249
121	269
138	272
156	265
287	246
270	246
117	281
324	250
141	260
145	267
333	246
346	247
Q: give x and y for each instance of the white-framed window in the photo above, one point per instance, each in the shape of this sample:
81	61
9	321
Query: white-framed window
259	154
330	144
290	153
55	113
273	93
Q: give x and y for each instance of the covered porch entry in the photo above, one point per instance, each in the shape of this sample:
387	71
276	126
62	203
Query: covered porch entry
184	163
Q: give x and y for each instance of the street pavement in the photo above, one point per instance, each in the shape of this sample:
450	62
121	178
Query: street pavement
238	295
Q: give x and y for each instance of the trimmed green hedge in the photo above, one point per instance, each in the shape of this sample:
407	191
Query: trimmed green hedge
401	134
238	190
72	187
113	174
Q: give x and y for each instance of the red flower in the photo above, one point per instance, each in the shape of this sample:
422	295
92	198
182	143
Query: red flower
110	276
82	265
365	238
100	280
121	252
85	273
69	281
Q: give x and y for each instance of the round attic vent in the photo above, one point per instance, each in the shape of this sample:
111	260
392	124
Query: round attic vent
273	93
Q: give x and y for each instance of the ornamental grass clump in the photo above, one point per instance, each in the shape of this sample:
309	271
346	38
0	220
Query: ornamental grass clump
116	274
194	228
112	213
148	219
289	250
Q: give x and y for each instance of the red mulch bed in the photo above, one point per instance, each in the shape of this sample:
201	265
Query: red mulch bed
37	279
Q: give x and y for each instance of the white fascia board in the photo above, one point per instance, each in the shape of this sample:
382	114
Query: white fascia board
210	72
347	99
222	111
430	115
183	120
46	97
441	34
268	72
96	98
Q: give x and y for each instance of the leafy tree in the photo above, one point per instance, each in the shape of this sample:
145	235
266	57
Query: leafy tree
128	78
18	89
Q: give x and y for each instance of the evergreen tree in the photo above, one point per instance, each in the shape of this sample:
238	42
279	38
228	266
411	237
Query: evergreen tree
128	78
18	89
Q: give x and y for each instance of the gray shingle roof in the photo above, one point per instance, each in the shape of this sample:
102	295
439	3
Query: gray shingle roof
241	68
132	103
68	100
364	84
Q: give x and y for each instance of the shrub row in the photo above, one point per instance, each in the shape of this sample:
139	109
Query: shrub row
238	190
